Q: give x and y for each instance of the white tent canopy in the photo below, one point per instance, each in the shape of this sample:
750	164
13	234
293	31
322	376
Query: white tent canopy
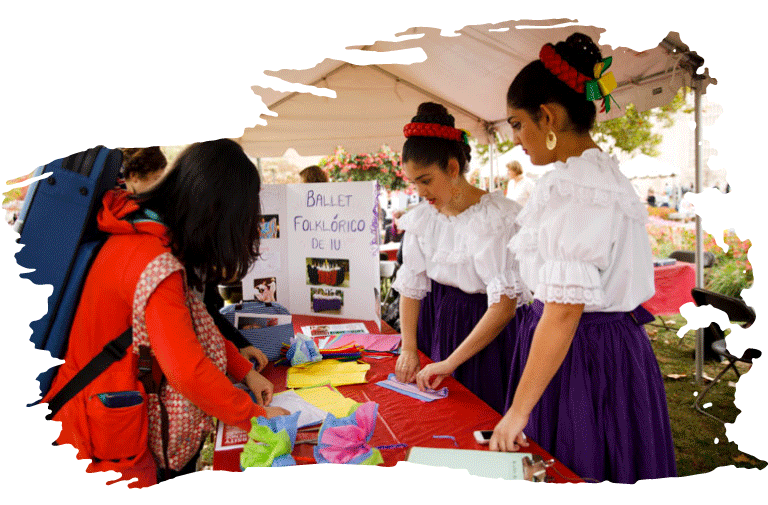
468	73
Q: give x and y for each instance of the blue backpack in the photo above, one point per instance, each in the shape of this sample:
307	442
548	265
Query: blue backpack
57	226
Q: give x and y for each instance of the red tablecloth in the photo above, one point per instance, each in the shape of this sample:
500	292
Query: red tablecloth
404	420
390	249
673	288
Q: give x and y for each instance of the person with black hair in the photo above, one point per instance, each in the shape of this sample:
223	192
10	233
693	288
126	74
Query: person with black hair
585	383
198	224
142	167
458	285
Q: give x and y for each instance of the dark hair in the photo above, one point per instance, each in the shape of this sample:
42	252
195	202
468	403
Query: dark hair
535	85
429	150
209	200
313	173
142	161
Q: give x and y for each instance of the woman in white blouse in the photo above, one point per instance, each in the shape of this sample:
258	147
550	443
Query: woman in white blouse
520	186
458	285
588	386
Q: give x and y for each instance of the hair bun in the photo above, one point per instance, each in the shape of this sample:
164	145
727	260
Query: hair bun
580	51
431	112
143	160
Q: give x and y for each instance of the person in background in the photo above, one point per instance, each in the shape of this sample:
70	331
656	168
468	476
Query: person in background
313	173
142	167
585	384
651	200
159	251
394	233
520	186
458	284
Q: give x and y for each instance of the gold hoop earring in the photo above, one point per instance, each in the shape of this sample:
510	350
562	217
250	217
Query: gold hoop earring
551	140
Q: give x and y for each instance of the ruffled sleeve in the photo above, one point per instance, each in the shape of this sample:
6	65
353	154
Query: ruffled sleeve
490	228
411	280
570	229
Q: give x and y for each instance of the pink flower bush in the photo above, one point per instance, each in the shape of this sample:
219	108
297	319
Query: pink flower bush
384	166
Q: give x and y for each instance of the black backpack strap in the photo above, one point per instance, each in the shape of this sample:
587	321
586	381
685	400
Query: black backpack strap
151	386
114	351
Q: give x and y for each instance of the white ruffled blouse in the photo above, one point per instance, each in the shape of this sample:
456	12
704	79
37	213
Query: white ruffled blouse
467	251
583	237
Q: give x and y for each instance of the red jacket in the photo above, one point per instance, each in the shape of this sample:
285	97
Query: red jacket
104	312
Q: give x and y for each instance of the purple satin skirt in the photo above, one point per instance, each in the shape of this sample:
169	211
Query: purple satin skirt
446	317
604	414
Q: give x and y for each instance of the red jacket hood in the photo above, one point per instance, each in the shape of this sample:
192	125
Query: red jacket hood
116	206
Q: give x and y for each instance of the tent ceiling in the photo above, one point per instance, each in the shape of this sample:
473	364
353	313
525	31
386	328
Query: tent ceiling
645	166
468	73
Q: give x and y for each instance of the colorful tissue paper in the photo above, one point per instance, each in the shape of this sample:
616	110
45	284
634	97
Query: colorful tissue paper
328	399
345	353
309	414
369	341
345	440
410	389
327	371
303	350
270	442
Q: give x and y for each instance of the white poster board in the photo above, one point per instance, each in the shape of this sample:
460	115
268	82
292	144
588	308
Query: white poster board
319	250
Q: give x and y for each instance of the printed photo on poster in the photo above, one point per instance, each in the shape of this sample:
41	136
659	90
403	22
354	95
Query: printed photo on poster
328	272
270	226
249	321
266	289
326	301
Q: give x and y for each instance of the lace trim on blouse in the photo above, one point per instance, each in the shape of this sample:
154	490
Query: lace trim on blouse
587	191
450	239
517	291
417	285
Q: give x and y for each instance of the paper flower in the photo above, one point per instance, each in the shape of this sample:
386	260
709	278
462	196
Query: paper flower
270	442
345	440
303	350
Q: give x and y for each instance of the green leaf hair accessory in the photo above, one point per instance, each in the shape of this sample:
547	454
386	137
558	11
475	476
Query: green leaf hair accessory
602	85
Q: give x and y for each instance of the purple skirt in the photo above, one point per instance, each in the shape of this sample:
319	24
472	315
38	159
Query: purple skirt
604	414
446	317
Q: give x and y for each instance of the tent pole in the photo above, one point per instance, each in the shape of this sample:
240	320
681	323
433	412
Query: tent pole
258	168
492	153
697	84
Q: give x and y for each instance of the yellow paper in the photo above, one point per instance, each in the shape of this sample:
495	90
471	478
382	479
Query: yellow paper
328	399
327	371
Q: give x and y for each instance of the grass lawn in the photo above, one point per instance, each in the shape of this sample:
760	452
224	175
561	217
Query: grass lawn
694	433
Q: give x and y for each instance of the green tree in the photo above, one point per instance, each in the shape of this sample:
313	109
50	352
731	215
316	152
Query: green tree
502	146
631	132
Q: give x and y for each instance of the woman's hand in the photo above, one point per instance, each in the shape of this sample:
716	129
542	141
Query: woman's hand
407	366
433	374
275	412
252	353
260	387
508	435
